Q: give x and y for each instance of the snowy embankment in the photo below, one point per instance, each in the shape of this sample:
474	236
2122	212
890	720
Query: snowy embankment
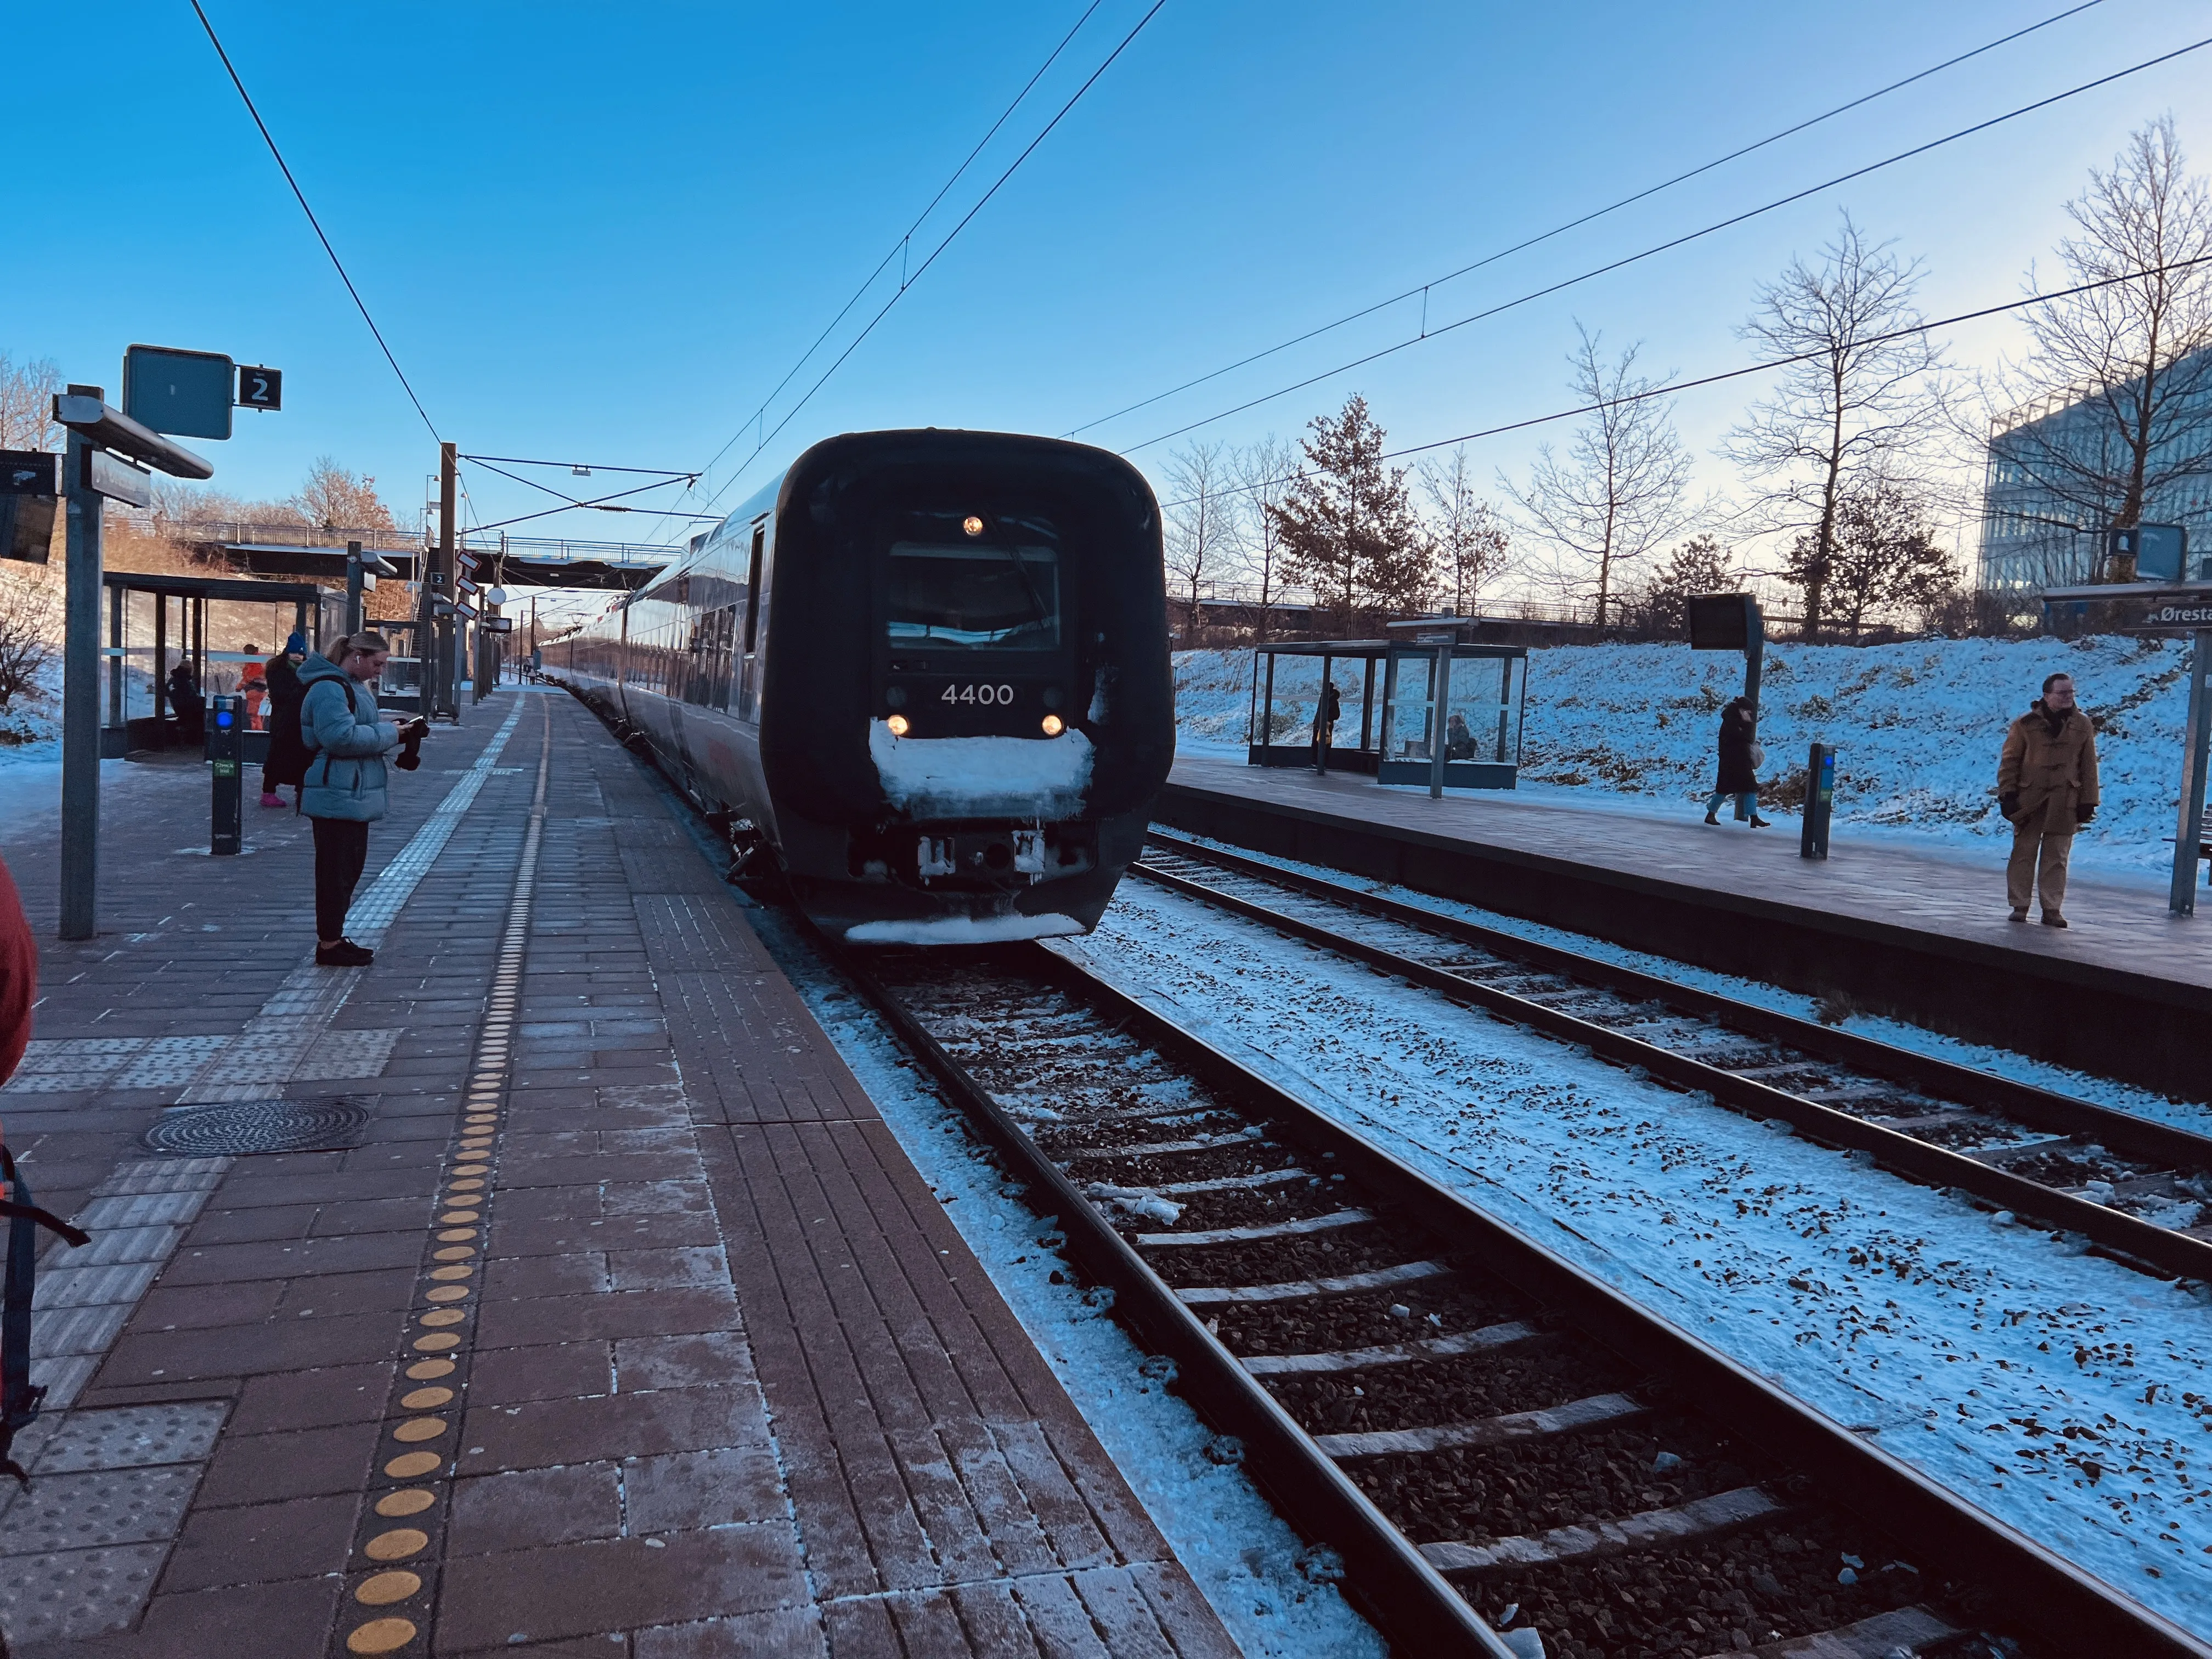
2065	1393
1917	727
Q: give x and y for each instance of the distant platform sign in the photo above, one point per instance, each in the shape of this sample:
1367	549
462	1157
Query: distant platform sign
186	394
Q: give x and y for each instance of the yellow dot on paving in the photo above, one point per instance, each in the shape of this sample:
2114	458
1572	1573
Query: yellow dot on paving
385	1587
420	1428
445	1292
453	1235
471	1169
451	1272
423	1399
476	1143
444	1316
413	1501
411	1466
454	1253
451	1216
423	1370
465	1186
397	1545
381	1636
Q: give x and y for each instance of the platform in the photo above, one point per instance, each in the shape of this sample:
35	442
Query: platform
621	1325
2126	991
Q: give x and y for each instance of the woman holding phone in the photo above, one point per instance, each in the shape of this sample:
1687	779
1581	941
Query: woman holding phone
345	787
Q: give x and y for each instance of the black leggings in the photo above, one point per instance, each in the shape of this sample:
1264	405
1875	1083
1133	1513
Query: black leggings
341	850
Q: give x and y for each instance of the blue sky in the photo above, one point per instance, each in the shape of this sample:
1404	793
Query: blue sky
603	233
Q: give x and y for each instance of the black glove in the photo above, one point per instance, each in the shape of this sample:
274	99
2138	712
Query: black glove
411	745
2009	803
2084	814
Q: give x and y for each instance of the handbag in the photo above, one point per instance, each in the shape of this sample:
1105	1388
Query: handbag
1758	757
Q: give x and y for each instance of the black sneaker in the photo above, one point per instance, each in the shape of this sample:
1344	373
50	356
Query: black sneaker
344	954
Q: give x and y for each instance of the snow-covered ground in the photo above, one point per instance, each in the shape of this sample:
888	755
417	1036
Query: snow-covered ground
2065	1393
1917	727
1274	1594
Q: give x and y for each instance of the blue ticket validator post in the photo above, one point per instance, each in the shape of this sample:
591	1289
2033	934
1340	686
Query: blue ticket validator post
1820	802
226	744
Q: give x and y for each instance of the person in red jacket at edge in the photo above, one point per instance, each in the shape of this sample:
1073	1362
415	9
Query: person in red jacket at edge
18	982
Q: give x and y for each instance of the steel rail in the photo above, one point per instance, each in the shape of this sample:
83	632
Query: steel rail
1413	1604
2143	1245
2037	1589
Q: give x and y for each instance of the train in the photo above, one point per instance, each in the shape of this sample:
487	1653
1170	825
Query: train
924	674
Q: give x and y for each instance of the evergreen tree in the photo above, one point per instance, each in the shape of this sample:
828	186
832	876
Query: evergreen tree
1700	565
1883	560
1347	529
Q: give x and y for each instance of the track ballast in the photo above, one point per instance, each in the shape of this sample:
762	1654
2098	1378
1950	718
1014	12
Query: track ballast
1490	1439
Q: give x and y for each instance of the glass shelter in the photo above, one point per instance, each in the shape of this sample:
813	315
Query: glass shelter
190	637
1420	712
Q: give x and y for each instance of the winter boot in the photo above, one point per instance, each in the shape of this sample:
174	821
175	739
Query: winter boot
2021	914
271	798
1709	819
2053	919
344	954
1758	823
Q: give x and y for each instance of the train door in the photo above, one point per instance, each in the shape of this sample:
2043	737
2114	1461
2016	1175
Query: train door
756	610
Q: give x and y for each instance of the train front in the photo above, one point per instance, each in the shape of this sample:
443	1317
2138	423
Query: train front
968	708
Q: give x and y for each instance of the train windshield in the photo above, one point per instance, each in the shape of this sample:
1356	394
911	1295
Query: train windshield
975	596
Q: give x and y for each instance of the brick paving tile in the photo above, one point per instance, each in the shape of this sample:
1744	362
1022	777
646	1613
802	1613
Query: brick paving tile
297	1538
725	1379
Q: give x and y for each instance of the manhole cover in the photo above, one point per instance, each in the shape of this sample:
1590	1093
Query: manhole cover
245	1126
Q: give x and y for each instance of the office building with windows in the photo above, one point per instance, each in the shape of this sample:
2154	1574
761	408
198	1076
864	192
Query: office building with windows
2042	523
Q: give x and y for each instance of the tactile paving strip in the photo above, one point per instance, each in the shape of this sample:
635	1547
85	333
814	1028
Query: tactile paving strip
79	1550
391	1581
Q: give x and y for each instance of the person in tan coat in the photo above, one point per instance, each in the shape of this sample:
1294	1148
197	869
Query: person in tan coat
2047	789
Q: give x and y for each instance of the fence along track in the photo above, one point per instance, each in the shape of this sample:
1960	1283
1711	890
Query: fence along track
2009	1144
1361	1396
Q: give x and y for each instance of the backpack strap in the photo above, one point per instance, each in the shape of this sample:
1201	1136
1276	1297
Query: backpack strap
19	1400
345	685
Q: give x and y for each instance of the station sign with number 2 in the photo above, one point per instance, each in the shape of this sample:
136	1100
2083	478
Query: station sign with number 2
261	388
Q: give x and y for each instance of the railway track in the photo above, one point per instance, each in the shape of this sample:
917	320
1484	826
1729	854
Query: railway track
2138	1189
1507	1457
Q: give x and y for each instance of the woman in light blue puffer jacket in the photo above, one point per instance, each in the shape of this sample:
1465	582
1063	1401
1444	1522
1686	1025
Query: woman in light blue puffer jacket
345	787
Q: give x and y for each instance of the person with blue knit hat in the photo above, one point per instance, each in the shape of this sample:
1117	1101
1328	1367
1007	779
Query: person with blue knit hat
287	750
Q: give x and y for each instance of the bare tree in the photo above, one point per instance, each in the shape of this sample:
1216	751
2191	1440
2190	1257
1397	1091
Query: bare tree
335	499
26	404
1618	491
1861	402
30	635
1200	520
1263	471
1886	560
1347	527
2134	360
1468	538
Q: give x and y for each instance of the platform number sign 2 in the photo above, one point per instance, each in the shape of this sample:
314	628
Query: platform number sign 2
261	388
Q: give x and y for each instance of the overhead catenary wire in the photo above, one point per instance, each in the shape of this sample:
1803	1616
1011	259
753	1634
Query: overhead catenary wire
1675	388
1422	290
899	247
519	460
268	138
967	218
1671	243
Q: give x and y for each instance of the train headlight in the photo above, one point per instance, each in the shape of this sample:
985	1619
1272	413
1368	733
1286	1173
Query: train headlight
972	524
1053	725
897	724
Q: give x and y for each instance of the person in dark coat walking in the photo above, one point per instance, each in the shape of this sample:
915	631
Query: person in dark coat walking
1739	772
192	707
287	750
